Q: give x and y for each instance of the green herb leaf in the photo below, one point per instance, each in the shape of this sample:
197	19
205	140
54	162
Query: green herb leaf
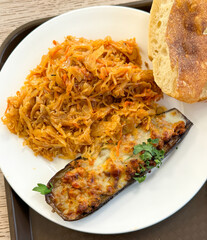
153	141
137	149
147	151
140	179
146	156
143	169
157	161
150	167
147	163
43	189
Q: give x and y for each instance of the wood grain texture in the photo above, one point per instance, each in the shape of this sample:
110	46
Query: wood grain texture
4	223
14	13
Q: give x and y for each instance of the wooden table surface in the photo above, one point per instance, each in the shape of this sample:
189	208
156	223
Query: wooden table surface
14	13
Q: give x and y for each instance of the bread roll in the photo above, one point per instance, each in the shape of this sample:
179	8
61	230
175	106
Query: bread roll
178	48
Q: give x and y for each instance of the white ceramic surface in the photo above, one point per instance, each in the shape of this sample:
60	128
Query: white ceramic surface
164	191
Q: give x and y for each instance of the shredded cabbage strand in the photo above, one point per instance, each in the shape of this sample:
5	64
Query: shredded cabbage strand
83	95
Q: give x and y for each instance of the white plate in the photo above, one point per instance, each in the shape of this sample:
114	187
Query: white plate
165	190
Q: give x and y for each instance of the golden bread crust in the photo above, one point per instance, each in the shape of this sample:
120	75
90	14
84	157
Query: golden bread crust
178	48
188	47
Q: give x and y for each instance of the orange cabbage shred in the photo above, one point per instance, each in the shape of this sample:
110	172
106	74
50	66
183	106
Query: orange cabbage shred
83	96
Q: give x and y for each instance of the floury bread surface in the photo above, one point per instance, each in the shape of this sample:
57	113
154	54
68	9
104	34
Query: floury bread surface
178	48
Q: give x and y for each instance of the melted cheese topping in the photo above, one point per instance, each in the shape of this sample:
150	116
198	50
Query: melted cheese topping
89	184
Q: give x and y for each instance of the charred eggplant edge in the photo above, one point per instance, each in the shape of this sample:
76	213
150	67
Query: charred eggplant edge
169	147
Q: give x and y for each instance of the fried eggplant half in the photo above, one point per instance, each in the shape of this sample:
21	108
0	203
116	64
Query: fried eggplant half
84	186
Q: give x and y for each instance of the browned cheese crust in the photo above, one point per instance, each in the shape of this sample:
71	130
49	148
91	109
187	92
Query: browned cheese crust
82	186
186	37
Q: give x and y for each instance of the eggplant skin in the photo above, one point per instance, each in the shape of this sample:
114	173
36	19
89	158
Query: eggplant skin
80	189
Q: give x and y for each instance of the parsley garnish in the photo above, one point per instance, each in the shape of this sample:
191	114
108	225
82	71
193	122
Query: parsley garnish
143	169
43	189
150	152
147	152
139	179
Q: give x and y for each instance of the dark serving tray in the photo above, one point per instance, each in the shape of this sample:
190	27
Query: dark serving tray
190	223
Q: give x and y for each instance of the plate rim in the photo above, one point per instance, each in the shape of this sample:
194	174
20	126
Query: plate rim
77	10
